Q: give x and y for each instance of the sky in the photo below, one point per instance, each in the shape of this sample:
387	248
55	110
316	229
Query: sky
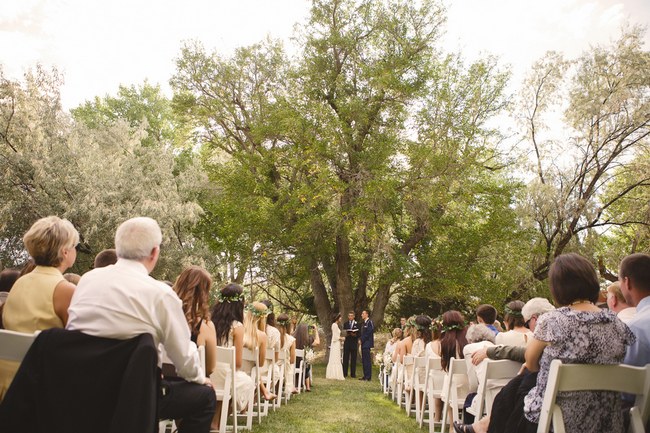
100	44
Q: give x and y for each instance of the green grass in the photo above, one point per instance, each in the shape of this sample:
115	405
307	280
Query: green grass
334	406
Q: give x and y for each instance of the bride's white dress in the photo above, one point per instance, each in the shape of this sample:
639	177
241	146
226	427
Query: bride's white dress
334	366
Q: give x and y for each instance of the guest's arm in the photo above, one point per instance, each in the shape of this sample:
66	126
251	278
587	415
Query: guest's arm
238	342
263	341
514	353
534	352
61	299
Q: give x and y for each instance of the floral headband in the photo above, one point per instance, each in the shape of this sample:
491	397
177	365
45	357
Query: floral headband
255	312
455	326
230	298
284	322
436	324
513	313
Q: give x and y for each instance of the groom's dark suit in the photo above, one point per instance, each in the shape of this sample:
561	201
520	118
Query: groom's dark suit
350	347
367	343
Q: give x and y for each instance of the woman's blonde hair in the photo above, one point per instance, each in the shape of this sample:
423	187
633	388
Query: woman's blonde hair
46	239
253	322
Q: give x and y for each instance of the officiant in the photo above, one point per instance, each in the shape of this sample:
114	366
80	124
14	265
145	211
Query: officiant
350	346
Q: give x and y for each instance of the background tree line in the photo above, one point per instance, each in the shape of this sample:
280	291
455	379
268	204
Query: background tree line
367	170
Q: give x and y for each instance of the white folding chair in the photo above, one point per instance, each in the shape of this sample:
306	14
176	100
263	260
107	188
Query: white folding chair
418	387
266	377
300	353
434	369
454	391
252	356
403	386
14	345
590	377
396	379
282	357
497	375
227	393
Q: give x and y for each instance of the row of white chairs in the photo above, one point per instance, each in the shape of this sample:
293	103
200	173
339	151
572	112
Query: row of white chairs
14	346
257	407
406	389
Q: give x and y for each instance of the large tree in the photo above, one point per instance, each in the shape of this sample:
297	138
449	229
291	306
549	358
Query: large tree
332	170
584	162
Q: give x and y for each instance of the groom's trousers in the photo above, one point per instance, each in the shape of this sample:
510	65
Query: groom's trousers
367	364
350	356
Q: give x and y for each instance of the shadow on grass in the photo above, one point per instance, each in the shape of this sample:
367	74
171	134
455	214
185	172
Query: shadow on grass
334	406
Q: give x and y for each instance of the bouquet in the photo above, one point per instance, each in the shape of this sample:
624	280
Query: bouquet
379	359
309	356
388	362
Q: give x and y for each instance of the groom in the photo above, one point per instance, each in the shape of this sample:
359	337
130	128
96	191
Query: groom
367	342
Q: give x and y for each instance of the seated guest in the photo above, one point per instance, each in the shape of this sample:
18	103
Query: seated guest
288	345
391	344
634	276
227	316
486	314
255	338
478	337
105	258
405	346
7	279
123	301
193	288
617	303
578	332
39	299
273	337
305	341
534	308
517	334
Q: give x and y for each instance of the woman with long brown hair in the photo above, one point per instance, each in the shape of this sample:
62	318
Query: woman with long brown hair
193	288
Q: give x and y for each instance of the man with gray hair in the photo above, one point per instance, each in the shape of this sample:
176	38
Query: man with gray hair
122	301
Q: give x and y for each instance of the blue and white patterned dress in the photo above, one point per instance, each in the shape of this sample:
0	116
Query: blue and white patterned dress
581	337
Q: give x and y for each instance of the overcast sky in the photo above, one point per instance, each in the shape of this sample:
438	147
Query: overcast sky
99	44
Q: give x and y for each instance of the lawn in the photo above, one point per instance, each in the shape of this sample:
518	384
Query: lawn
333	406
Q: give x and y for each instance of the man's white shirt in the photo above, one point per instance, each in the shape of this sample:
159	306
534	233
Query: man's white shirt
122	301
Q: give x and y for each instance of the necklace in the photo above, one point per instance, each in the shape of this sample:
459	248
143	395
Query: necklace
581	301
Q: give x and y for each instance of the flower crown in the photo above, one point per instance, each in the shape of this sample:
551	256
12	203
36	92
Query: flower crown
255	312
230	298
436	324
284	322
513	313
455	326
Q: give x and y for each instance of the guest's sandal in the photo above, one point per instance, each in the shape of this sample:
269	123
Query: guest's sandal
463	428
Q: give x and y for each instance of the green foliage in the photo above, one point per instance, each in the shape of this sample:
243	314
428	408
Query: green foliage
351	168
591	181
96	178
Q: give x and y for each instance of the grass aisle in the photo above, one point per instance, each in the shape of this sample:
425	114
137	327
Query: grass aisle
339	407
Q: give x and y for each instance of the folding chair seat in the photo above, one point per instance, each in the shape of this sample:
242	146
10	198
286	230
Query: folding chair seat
590	377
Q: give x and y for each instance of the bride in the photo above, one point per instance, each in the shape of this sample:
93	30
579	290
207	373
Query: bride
334	366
